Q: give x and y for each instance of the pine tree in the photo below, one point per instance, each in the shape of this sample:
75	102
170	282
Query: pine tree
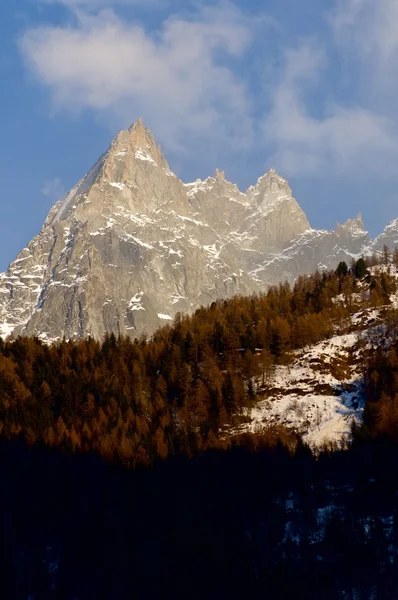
386	255
360	268
395	256
342	269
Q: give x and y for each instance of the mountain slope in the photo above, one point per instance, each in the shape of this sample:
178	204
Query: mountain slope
320	394
388	237
316	249
131	245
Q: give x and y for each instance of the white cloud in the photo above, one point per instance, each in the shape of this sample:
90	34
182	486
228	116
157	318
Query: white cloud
53	189
346	13
370	26
342	138
186	79
95	4
174	77
357	135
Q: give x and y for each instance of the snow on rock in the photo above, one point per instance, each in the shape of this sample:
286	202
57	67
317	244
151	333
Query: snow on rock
6	329
165	317
196	187
135	303
145	155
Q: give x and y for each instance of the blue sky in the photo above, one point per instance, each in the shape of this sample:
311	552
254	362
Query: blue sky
307	87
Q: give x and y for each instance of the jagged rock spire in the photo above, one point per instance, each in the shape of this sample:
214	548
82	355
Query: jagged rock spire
220	174
139	139
351	225
140	136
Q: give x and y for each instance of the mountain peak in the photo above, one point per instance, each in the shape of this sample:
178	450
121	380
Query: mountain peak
137	123
270	186
271	174
139	142
271	181
355	225
140	136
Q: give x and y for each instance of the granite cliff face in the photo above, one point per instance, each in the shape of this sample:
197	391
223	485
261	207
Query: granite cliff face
131	245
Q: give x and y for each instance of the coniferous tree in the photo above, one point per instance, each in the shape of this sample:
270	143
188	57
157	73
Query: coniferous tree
360	268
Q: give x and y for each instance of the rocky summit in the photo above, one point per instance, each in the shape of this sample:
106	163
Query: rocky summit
131	245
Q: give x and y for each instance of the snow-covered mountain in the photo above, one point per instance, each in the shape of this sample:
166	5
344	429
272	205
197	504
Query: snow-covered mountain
389	237
131	245
317	249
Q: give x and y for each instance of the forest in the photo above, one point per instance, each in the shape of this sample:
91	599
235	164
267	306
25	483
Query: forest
118	482
136	401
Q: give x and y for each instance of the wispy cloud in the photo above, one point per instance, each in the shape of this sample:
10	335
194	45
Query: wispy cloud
191	80
367	32
175	77
340	138
95	4
369	26
53	189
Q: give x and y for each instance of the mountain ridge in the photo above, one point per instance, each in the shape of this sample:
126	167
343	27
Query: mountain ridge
131	245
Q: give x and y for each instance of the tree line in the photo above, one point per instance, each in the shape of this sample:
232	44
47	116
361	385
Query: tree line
136	401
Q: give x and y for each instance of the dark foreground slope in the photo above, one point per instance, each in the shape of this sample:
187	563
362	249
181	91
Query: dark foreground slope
222	525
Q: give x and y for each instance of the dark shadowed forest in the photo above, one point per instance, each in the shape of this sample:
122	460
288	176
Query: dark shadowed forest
268	524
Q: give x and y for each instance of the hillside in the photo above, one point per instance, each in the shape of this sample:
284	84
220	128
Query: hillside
293	358
320	393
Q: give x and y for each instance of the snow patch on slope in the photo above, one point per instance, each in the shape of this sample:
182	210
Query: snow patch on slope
309	397
141	154
135	303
